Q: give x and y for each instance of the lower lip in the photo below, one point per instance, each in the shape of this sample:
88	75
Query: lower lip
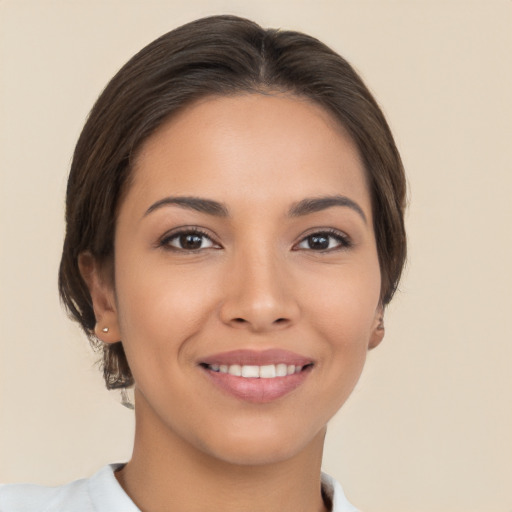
257	390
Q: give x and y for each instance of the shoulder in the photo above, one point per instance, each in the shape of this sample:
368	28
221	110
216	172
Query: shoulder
31	498
334	492
99	493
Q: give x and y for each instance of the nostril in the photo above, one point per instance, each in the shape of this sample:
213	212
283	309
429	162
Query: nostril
257	323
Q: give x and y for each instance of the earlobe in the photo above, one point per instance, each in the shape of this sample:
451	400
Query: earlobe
102	296
378	329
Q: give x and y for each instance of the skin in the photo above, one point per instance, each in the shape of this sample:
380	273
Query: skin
256	282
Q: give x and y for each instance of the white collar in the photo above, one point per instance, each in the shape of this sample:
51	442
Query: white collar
111	497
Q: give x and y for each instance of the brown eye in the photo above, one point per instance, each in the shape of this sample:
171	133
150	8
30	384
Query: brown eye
191	241
324	241
188	241
318	242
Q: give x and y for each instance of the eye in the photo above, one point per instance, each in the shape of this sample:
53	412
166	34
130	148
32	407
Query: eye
188	240
324	241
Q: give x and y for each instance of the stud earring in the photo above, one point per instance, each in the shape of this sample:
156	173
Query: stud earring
105	329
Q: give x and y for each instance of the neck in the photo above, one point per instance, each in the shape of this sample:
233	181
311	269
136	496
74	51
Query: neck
168	473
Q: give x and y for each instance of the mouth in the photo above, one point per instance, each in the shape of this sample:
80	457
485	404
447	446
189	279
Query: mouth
257	377
249	371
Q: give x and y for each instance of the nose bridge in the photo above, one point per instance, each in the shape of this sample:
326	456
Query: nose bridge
259	295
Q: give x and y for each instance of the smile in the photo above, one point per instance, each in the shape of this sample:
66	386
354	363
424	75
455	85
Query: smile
257	376
269	371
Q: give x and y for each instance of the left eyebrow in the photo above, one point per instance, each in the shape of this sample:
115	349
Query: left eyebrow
317	204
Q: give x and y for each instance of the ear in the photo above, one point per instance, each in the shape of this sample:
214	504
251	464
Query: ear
378	330
103	299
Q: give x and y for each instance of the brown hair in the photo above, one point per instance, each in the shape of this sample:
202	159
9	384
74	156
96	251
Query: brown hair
216	55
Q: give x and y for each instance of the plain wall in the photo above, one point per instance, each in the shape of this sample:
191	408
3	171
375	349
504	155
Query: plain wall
429	426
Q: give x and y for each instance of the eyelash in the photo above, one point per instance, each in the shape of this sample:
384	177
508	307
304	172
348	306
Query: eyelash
165	242
342	240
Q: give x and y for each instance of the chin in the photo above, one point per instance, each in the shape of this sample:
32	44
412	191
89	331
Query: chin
262	448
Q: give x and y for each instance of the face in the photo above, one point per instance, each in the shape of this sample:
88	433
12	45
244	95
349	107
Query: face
246	276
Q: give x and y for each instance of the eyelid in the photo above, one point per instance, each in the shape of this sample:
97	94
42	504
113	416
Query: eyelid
345	242
164	240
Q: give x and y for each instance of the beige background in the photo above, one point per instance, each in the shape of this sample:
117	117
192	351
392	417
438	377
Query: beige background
429	427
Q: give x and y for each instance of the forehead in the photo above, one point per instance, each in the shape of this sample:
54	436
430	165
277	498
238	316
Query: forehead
255	146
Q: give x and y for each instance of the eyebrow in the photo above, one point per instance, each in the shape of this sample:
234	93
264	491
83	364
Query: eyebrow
192	203
317	204
304	207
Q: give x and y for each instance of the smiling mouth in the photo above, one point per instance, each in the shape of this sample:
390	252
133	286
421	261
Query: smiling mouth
257	376
268	371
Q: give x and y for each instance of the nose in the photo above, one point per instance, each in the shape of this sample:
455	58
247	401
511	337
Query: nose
260	294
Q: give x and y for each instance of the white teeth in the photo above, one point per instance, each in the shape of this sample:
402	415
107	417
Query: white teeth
235	369
268	371
250	371
281	370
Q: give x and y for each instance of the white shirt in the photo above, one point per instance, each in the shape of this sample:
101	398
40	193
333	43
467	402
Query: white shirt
102	493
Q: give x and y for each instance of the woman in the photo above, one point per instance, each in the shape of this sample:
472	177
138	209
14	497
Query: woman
234	233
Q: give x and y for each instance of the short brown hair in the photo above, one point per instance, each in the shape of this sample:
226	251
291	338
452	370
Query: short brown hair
211	56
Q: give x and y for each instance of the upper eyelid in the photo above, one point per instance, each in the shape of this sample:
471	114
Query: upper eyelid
173	233
327	231
345	240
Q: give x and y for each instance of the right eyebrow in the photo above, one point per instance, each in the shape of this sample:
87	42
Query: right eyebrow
192	203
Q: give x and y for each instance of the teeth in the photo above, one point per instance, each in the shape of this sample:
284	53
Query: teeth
281	370
235	369
250	371
268	371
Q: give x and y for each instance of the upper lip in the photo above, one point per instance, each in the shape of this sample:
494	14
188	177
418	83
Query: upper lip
257	358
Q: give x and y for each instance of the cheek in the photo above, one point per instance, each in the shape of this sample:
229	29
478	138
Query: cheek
160	307
345	319
345	302
343	313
